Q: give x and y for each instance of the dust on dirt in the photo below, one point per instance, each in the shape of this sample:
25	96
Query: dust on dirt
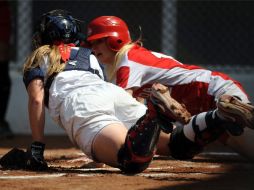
217	168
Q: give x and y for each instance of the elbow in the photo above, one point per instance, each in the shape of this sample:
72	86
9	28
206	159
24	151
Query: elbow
36	102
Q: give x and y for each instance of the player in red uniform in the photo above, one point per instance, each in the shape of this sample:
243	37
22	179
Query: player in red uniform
136	68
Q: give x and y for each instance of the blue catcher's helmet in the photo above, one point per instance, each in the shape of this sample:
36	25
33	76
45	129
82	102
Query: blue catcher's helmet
56	26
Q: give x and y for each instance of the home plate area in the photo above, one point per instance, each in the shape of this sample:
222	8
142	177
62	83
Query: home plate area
215	168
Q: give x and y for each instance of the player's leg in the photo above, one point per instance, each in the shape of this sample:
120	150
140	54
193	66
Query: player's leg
140	142
105	139
131	150
243	144
108	142
170	111
142	138
232	116
162	145
188	140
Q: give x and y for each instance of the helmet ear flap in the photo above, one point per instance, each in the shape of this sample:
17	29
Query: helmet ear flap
114	43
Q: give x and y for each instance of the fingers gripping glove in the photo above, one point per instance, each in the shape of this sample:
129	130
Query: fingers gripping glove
35	158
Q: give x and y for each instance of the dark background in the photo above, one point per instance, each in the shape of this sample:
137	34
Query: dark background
217	33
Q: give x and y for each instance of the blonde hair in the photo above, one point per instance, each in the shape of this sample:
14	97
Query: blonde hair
36	59
112	68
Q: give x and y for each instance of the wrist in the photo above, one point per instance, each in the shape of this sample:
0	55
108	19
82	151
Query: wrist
37	144
35	156
37	149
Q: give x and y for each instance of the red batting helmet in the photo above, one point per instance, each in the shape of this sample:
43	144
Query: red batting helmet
114	28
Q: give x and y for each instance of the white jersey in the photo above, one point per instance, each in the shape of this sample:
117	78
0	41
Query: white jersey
81	102
193	86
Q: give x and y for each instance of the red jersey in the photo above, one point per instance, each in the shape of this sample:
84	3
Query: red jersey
196	87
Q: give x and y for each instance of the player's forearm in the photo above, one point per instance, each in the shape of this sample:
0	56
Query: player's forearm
36	109
37	120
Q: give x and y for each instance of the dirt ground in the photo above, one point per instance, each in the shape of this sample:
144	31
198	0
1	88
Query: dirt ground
218	168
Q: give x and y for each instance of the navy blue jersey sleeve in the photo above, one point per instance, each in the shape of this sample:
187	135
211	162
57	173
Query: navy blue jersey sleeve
32	74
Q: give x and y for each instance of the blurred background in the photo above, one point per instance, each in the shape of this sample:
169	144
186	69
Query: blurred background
212	34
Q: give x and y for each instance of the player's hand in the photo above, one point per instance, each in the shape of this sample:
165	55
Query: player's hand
35	158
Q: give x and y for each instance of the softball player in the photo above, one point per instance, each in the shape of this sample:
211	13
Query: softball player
100	118
134	68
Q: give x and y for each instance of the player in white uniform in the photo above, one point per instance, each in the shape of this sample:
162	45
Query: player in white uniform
136	68
100	118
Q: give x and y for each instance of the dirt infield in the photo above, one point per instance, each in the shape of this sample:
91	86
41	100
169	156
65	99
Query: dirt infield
215	169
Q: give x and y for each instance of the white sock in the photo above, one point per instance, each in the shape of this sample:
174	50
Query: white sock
200	121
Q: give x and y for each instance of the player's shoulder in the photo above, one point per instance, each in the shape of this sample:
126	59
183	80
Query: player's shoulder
81	49
141	55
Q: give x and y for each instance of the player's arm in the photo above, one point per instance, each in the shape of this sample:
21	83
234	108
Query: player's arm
33	158
36	109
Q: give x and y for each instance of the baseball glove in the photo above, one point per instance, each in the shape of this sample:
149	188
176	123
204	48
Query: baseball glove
14	159
169	107
32	159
